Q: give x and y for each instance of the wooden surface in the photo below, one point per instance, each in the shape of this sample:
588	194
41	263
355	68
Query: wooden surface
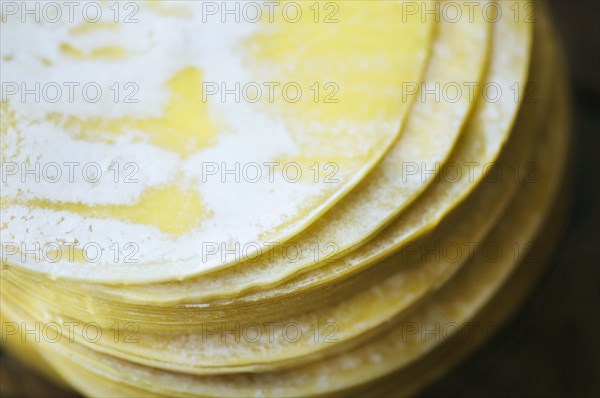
552	347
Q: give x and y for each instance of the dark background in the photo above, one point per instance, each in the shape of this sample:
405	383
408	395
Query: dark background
551	348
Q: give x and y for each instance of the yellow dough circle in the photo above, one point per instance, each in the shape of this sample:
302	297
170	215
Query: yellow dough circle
185	170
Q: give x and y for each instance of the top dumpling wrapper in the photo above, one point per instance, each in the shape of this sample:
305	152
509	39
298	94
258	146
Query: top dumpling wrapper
189	129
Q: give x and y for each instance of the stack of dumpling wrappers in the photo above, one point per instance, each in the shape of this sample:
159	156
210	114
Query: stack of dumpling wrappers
344	199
